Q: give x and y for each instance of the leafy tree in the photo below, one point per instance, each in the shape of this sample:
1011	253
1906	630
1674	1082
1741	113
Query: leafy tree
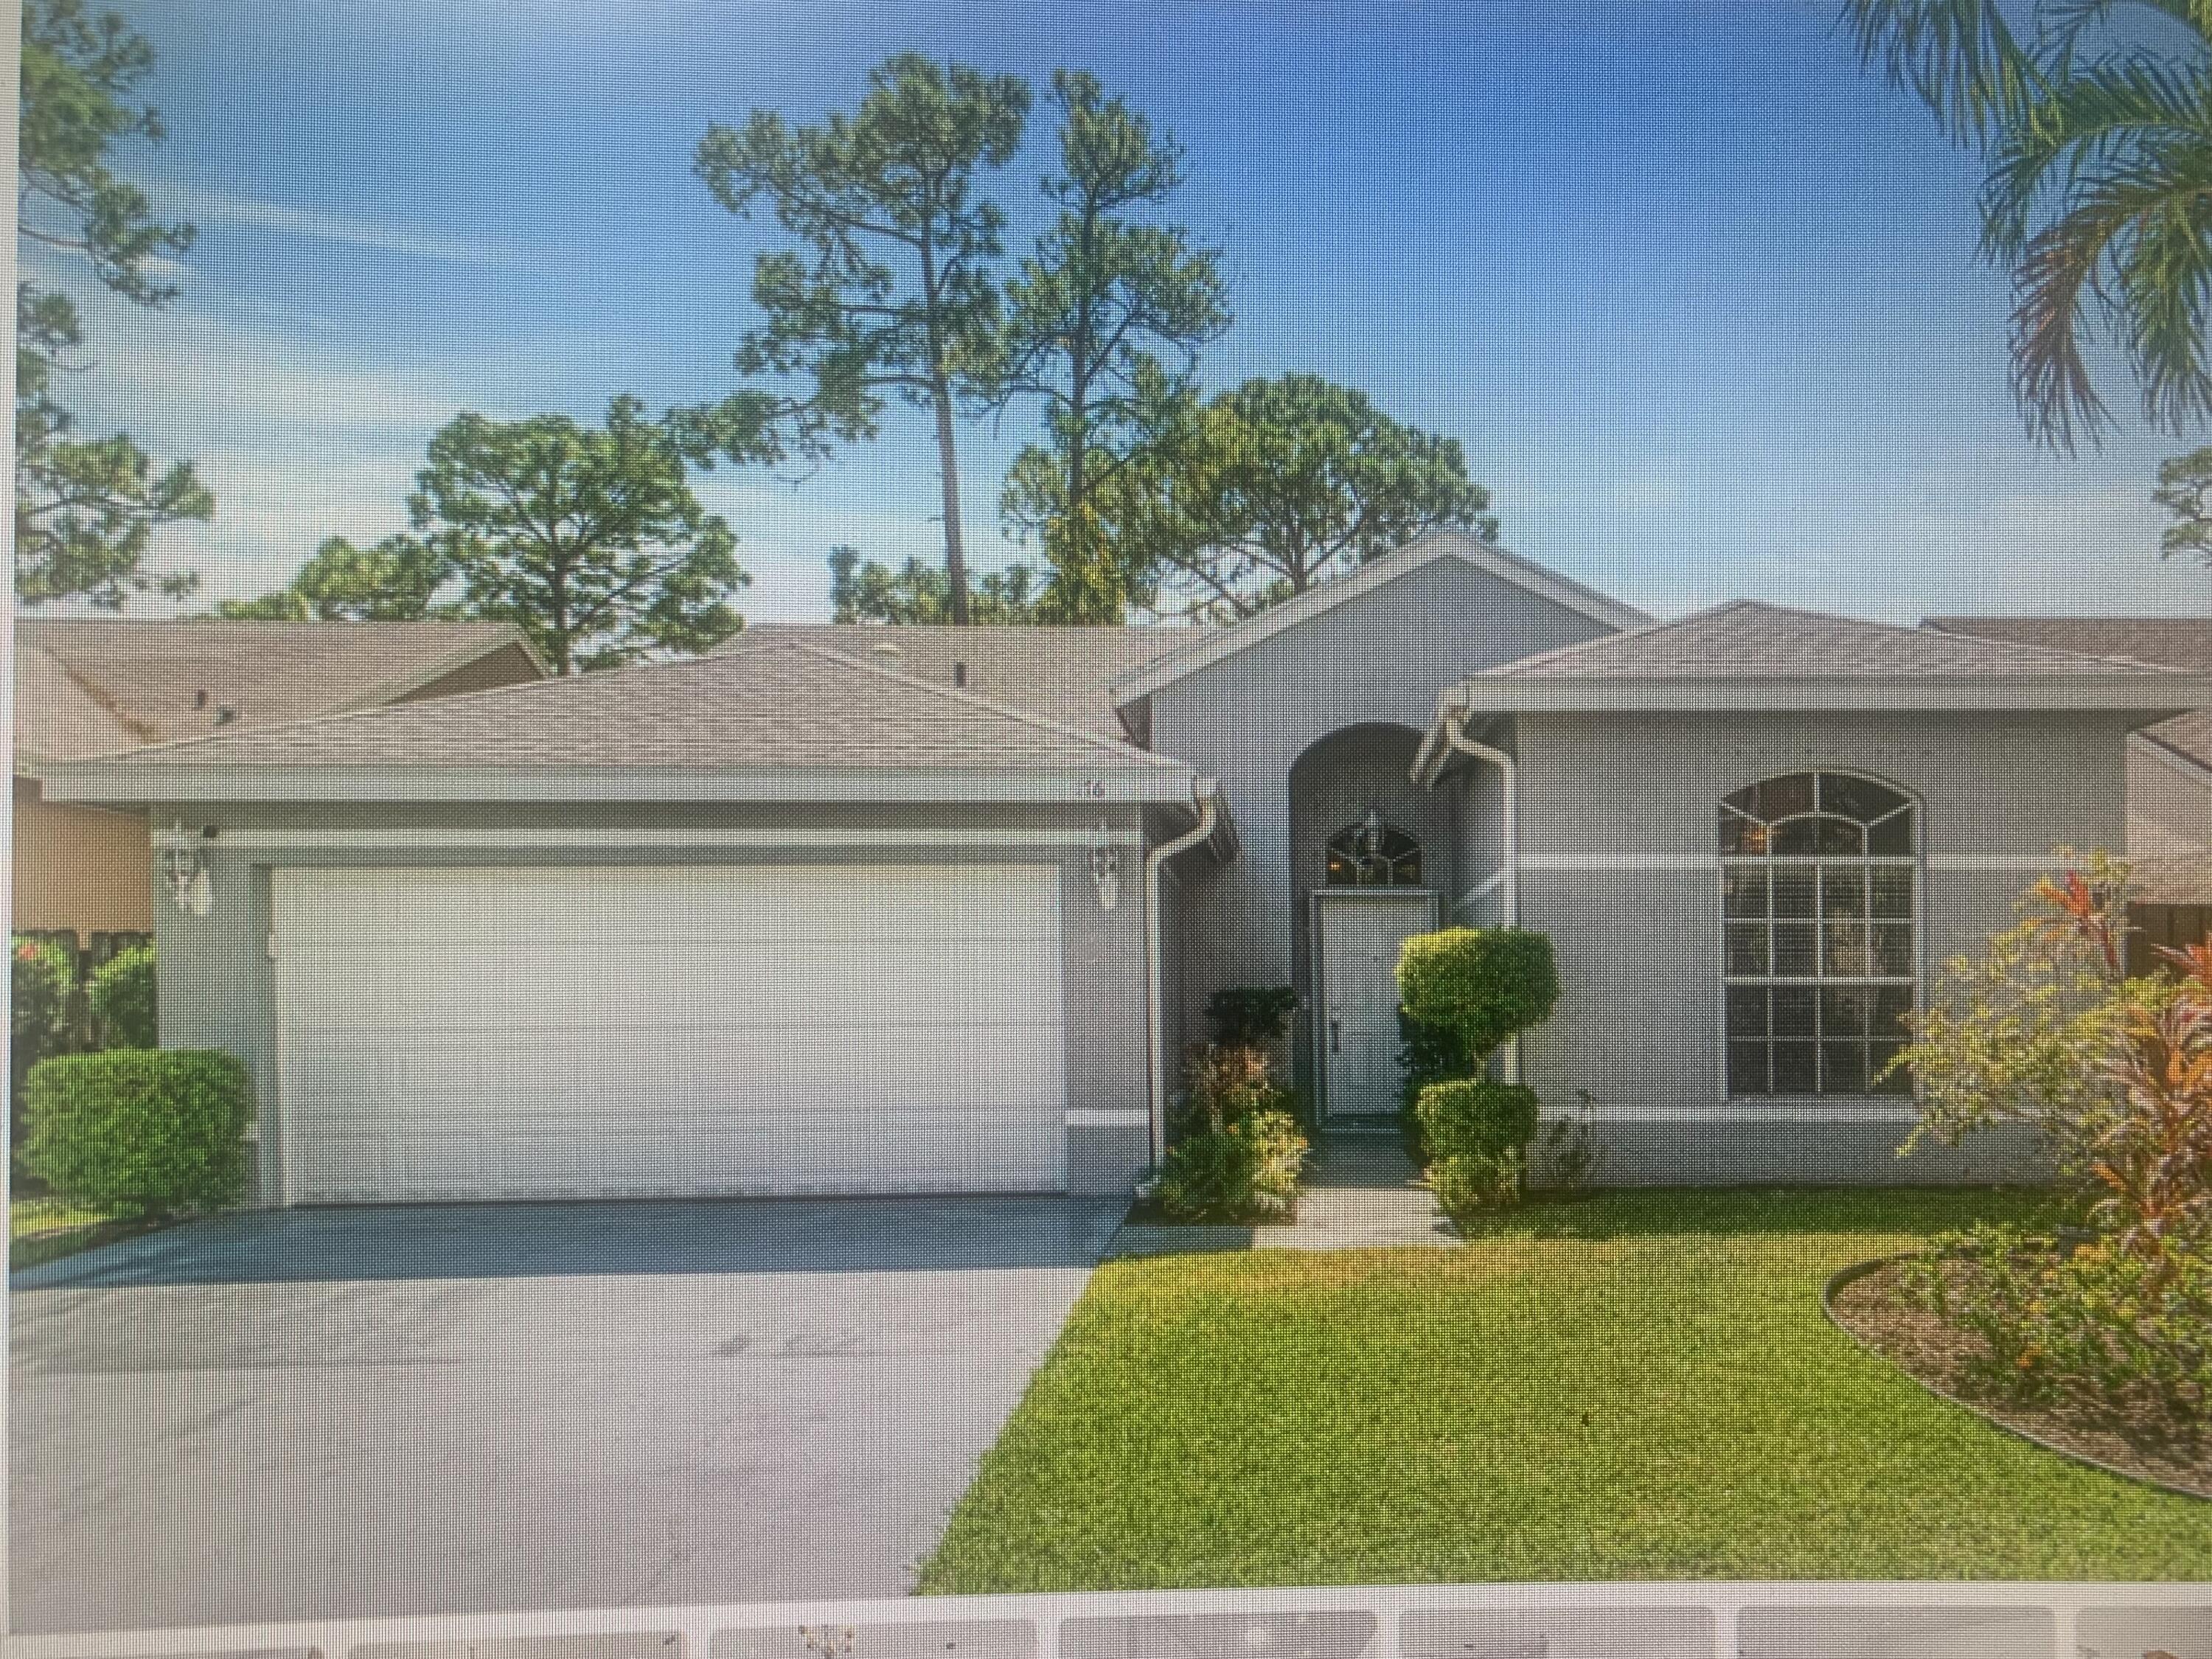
1280	485
395	580
590	540
891	289
1104	321
2098	159
86	508
914	592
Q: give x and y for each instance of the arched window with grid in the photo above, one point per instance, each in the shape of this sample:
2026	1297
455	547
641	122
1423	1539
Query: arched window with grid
1820	926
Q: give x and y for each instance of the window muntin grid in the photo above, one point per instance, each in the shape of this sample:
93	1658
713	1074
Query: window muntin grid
1372	855
1819	920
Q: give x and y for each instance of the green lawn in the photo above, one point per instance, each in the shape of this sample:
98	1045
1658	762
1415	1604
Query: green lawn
1630	1385
47	1229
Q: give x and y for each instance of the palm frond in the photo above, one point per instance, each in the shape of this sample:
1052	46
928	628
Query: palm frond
2077	129
1959	56
2131	252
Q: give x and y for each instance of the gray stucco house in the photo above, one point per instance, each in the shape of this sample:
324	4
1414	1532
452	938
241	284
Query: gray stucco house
843	909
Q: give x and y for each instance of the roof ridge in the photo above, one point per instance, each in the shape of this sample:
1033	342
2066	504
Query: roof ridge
955	695
100	694
1936	625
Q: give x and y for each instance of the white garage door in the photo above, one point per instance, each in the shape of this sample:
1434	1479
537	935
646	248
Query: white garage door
450	1034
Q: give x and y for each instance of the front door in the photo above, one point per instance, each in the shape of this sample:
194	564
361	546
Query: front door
1358	932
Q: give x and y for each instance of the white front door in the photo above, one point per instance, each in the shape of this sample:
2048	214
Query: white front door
1358	932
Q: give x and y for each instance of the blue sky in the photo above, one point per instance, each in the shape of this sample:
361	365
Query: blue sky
1699	299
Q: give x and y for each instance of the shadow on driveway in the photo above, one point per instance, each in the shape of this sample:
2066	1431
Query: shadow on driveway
535	1240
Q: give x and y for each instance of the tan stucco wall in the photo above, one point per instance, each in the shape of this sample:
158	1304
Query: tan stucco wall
80	867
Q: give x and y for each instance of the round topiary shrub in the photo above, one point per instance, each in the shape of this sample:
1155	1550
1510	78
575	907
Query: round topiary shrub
142	1131
1485	983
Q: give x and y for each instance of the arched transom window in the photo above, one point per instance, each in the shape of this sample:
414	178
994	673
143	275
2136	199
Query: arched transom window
1373	854
1819	885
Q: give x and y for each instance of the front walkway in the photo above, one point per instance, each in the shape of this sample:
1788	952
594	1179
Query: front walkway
1361	1192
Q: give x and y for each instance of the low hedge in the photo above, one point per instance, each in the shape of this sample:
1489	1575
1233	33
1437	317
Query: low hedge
140	1132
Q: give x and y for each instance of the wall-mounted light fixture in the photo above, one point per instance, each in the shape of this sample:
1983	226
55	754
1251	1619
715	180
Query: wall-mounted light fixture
1105	867
184	870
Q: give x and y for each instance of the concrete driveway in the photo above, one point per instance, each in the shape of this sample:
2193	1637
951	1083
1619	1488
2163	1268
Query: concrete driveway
481	1408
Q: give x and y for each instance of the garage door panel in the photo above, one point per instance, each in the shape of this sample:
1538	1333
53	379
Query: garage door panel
492	1033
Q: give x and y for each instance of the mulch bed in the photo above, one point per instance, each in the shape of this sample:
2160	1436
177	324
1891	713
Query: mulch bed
2136	1438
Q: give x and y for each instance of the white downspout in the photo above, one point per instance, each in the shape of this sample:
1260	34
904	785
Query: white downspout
1205	796
1455	739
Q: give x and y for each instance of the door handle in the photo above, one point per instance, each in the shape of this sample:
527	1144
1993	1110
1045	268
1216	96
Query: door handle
1335	1036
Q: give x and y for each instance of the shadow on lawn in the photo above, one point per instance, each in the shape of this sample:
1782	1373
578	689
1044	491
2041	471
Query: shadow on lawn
1768	1212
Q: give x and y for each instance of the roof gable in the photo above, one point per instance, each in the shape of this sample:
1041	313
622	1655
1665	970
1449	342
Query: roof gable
1317	602
168	680
759	720
1745	652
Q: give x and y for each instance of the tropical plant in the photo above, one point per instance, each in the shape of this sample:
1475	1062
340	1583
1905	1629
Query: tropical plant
2091	124
86	510
890	288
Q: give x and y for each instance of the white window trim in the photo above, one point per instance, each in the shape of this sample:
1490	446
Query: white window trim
1843	1107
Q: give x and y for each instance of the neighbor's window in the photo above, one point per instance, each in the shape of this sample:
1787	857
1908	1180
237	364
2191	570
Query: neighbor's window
1818	884
1373	854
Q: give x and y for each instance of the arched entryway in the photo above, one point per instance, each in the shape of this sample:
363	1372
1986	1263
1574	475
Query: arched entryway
1372	855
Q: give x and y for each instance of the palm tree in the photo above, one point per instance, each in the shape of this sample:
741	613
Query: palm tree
2095	125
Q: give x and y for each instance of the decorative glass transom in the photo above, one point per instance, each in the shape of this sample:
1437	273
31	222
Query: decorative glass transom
1819	886
1373	854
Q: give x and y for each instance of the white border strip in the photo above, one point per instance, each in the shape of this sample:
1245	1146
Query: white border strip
1859	1603
1691	862
797	837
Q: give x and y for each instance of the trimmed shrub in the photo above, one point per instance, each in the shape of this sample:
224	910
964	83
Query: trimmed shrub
1247	1171
123	1000
142	1131
1248	1016
44	979
1477	1134
1483	983
1426	1055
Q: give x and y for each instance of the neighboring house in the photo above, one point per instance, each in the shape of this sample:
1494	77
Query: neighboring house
2169	772
935	909
101	685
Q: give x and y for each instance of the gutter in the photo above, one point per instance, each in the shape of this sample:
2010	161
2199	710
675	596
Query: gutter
1206	799
1451	713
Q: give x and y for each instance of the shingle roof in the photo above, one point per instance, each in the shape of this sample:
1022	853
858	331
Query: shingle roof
2174	641
1788	658
786	706
1064	674
161	681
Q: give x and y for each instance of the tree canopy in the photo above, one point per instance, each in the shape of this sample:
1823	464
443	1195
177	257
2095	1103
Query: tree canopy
590	539
1103	323
891	289
1280	485
395	580
86	510
2098	159
872	591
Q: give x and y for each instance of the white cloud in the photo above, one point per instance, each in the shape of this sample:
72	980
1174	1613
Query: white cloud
220	207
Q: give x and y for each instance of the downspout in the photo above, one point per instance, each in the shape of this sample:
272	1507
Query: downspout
1457	741
1205	796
